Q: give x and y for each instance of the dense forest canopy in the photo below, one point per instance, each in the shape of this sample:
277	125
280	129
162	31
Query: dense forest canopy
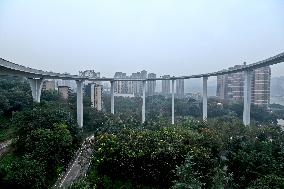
218	153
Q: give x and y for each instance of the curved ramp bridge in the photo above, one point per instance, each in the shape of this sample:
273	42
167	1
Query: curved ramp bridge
36	78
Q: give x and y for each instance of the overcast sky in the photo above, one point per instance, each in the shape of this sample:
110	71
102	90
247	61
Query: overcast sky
176	37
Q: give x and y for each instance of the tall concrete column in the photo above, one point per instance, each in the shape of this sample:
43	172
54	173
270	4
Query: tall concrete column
204	109
80	103
247	97
143	104
173	101
92	95
98	98
36	86
112	96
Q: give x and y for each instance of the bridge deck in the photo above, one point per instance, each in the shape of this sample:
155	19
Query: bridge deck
9	68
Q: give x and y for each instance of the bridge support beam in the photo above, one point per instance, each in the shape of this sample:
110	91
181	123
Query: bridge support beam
112	96
173	101
36	86
204	103
144	103
92	95
247	97
80	102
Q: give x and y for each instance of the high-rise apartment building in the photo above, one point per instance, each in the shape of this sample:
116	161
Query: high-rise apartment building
180	88
134	87
231	86
49	85
129	86
222	86
143	75
166	85
120	86
93	89
261	86
137	86
236	84
151	85
95	92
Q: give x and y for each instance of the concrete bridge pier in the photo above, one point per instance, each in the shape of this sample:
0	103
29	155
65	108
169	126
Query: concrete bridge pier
247	97
92	95
112	96
173	101
36	86
143	104
204	108
80	84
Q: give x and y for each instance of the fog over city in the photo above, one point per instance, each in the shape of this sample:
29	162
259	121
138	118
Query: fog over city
176	37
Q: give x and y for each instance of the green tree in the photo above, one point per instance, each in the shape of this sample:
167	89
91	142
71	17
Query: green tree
50	146
27	173
47	136
50	95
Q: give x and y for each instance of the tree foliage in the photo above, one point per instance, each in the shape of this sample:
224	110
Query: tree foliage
15	94
219	153
47	136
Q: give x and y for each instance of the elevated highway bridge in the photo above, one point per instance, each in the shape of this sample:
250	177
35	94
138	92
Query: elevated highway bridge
36	78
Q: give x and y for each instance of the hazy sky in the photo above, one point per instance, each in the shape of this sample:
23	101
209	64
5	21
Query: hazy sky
177	37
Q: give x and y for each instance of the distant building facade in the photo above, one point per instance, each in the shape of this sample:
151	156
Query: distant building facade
166	85
49	85
180	88
120	86
132	87
63	92
277	86
151	85
95	92
231	86
138	85
222	86
93	89
261	86
70	83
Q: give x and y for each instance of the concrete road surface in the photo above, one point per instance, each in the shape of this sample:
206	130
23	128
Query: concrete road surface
79	166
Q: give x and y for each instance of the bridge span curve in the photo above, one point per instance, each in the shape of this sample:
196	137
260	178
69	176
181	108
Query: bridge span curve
9	68
36	78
